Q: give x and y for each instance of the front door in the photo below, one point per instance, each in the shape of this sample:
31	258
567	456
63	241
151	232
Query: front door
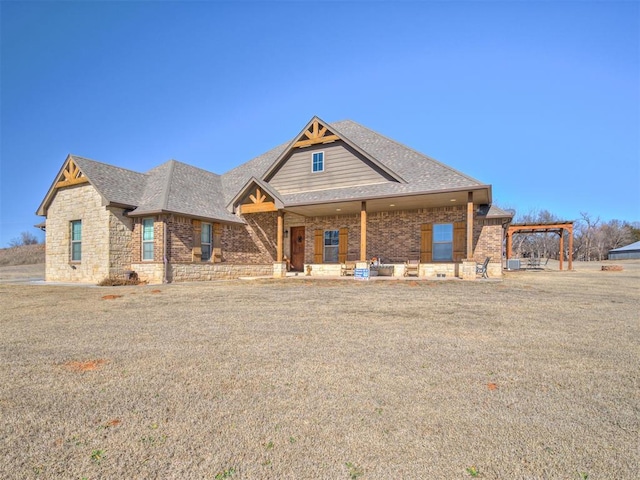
297	249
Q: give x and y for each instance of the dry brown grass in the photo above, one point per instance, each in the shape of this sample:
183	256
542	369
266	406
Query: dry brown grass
24	255
533	377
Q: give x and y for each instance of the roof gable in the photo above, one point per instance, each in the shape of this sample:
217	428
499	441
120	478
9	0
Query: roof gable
114	184
318	132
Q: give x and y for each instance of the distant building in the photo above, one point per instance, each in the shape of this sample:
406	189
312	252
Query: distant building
625	253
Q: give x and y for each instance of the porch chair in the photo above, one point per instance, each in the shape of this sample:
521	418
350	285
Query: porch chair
412	267
482	269
348	268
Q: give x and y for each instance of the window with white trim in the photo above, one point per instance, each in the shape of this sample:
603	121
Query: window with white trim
317	162
76	240
147	239
331	240
442	242
205	241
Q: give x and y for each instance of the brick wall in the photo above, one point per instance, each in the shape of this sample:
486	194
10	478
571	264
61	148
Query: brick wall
180	241
393	236
158	239
254	243
488	236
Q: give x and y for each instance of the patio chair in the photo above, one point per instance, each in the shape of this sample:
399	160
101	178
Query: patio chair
348	268
482	268
412	267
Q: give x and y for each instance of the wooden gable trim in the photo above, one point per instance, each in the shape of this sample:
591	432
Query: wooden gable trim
316	133
259	203
71	175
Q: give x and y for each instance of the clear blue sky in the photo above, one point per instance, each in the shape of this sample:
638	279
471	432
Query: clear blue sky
539	99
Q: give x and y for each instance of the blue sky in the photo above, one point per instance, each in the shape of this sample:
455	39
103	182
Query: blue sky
539	99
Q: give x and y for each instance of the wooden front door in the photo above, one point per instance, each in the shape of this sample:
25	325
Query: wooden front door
297	249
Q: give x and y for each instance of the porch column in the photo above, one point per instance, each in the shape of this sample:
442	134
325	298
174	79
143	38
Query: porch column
509	246
363	232
469	225
279	247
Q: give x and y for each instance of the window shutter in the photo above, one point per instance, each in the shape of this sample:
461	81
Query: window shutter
426	243
459	240
343	244
318	246
196	250
217	243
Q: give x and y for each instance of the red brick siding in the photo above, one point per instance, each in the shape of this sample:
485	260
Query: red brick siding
254	243
180	241
136	240
488	236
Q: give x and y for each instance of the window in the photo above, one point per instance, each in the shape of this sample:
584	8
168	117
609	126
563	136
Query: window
76	240
331	240
442	242
317	162
147	239
205	241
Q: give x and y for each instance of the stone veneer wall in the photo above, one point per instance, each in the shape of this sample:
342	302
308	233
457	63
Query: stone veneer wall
120	243
80	202
193	272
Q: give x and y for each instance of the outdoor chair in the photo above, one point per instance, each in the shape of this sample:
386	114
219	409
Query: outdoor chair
482	268
348	268
412	267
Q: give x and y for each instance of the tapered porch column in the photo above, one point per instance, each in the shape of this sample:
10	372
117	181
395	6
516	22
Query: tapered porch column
279	247
363	232
470	225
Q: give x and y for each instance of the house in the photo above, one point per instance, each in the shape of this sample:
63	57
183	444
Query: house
627	252
336	192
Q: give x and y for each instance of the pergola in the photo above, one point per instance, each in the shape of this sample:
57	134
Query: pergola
557	227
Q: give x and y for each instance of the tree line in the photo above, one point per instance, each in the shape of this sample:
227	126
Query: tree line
592	237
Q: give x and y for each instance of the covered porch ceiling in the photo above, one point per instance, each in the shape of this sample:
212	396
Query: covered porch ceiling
393	203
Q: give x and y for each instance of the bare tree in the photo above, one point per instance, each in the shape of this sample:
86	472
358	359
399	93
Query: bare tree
25	238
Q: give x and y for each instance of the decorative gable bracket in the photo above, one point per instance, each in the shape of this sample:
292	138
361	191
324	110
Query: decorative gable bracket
71	175
316	133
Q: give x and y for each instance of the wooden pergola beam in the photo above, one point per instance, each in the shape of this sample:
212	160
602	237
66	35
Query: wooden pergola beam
558	228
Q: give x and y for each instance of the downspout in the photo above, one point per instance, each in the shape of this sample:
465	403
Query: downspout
164	251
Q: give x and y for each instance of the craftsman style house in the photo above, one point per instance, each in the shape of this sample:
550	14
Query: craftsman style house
336	193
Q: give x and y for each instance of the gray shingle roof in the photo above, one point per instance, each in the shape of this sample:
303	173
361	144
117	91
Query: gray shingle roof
180	188
422	174
115	184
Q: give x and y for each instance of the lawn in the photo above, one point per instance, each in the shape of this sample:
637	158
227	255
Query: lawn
535	376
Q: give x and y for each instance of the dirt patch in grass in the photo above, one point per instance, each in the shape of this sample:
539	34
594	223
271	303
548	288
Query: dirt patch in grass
86	366
290	379
111	297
